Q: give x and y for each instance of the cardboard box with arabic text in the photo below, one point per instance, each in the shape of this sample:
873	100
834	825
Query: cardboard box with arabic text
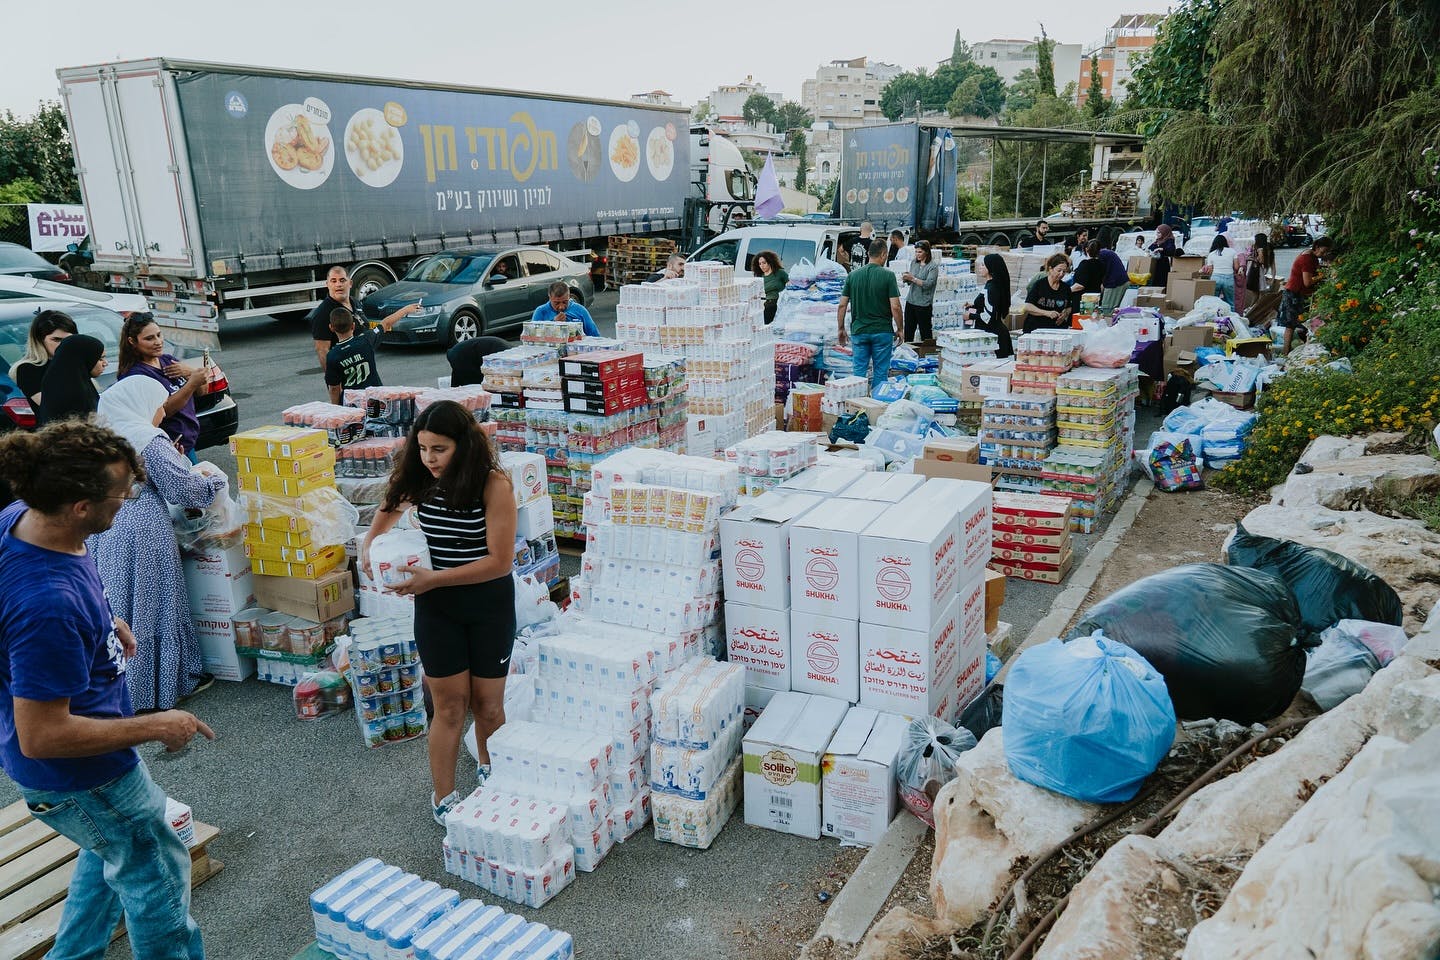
755	547
912	672
782	756
825	656
858	798
758	639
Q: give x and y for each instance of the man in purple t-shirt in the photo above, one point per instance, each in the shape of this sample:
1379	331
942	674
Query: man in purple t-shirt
67	730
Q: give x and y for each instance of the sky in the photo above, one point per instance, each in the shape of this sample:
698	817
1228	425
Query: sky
606	49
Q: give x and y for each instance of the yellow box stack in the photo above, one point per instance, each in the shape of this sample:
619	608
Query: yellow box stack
284	465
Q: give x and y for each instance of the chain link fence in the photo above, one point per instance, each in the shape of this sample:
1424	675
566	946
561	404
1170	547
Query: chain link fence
14	224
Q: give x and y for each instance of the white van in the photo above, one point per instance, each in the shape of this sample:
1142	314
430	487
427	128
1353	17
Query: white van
791	242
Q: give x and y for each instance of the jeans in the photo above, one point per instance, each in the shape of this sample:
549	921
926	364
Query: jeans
876	347
130	860
1225	288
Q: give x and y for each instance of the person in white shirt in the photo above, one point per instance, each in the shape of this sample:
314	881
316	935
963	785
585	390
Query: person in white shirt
1082	240
1221	261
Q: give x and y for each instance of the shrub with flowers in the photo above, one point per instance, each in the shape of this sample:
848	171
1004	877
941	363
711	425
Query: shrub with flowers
1379	305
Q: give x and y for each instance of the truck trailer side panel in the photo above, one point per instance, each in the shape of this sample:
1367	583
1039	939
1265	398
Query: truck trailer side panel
300	170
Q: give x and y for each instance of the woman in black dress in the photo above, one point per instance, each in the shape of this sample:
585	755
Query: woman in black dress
992	307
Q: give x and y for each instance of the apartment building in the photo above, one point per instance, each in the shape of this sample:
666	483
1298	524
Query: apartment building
1008	57
847	92
1127	39
659	97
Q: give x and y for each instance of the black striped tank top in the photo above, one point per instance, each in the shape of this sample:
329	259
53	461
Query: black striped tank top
455	537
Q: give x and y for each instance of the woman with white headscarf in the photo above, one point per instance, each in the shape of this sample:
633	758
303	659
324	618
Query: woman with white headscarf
138	557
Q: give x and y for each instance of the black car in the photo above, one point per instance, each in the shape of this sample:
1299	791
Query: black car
218	415
24	262
467	293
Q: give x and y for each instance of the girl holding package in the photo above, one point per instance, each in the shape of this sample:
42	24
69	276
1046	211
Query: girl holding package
138	557
464	503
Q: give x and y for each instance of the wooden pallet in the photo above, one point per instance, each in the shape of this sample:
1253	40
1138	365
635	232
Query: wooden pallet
35	868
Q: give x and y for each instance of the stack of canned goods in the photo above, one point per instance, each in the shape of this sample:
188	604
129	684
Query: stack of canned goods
385	675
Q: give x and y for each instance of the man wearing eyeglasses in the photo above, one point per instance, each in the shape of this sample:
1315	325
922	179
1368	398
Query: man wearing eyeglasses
67	729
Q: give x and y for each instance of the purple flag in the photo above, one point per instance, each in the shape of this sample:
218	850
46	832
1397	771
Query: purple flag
767	192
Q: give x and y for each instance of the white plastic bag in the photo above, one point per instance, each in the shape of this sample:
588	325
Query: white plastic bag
393	551
1110	346
532	602
1383	639
927	762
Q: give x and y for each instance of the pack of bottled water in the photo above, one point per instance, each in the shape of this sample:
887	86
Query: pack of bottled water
375	911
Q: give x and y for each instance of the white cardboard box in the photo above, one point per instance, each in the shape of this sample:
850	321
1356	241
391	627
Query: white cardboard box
825	557
756	700
536	518
824	656
858	798
827	481
527	473
217	650
910	560
755	547
219	584
758	639
971	646
782	754
973	500
884	487
911	672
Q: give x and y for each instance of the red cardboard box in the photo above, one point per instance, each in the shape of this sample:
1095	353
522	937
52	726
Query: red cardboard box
1039	573
603	387
1031	511
603	364
609	404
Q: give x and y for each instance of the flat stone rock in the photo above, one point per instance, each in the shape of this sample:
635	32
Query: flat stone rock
1351	483
1350	875
1103	920
985	819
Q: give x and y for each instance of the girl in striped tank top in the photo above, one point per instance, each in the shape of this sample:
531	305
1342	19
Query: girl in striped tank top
465	606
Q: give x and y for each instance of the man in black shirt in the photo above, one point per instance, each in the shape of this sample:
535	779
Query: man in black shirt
468	356
897	243
350	364
1041	238
337	285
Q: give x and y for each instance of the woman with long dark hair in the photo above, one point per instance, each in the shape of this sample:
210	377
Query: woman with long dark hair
767	265
142	353
1162	251
1259	269
923	275
464	503
46	331
68	387
1221	261
992	307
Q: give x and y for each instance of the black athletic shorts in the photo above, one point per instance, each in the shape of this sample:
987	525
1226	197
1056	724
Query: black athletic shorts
467	629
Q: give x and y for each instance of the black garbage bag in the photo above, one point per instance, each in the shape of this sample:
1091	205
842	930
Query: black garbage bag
1328	586
1227	640
983	715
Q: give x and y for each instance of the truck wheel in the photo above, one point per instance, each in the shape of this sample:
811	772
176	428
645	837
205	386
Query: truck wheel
999	240
464	325
577	296
368	279
970	239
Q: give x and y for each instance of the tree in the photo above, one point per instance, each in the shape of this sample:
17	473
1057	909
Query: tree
1023	93
38	148
960	50
1096	105
13	194
825	194
801	150
753	160
1045	63
899	96
1174	76
982	94
702	112
937	91
1346	128
1046	173
791	116
758	109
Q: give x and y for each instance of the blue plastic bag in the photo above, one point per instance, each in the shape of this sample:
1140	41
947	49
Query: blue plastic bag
1089	718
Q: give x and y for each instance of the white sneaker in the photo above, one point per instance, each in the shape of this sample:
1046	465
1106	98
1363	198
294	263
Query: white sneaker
482	772
443	807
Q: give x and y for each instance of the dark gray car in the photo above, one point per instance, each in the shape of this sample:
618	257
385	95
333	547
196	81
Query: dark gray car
466	293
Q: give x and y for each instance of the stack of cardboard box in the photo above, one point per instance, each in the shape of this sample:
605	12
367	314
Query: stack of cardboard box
1017	432
957	458
1185	284
1032	537
605	382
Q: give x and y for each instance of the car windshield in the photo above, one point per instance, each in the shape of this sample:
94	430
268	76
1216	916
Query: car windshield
16	256
450	268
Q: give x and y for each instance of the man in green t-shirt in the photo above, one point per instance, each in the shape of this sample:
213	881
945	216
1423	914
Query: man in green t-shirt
873	294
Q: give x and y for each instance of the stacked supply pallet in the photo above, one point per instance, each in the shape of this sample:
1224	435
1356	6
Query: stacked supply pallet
1017	433
715	320
959	349
696	717
385	679
1031	537
1105	198
633	259
1096	411
297	525
605	382
1041	358
504	374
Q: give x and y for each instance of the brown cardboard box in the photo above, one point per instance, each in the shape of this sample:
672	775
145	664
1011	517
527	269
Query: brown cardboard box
869	406
986	378
953	470
1180	361
1240	401
1185	268
1183	293
321	599
952	449
1250	347
1156	301
994	598
1192	337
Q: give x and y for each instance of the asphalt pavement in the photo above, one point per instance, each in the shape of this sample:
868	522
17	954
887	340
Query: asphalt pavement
298	802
